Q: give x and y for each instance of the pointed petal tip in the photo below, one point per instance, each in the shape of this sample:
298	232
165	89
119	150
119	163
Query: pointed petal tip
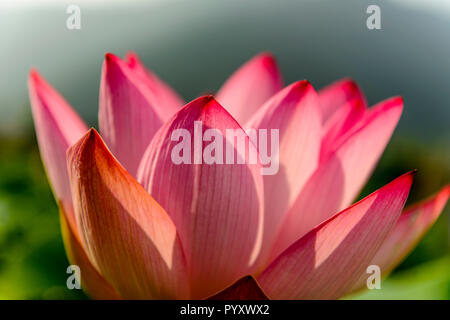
301	87
110	57
346	84
252	84
88	142
132	59
36	81
392	102
204	103
207	98
207	105
266	55
267	59
301	84
446	190
114	67
443	195
439	198
112	62
92	134
131	55
295	91
403	182
406	178
397	101
350	83
34	76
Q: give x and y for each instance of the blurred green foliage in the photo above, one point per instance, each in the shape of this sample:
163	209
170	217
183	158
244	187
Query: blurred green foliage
32	258
427	281
33	262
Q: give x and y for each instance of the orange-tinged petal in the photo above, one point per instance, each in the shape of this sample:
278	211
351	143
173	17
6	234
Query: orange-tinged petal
127	235
57	127
327	261
250	86
92	281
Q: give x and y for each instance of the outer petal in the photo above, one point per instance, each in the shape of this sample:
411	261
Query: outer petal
250	86
57	127
91	281
245	288
338	94
130	111
295	113
410	228
340	177
127	235
327	261
217	208
167	98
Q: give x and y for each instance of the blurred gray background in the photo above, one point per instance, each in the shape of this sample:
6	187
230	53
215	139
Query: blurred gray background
194	45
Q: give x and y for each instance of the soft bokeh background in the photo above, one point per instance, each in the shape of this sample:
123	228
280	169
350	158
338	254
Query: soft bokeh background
194	45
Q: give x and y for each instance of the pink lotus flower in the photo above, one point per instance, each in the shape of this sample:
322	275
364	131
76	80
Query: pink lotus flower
140	226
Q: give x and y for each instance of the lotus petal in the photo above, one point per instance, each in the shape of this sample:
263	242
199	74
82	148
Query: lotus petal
130	110
57	127
126	233
167	97
336	95
295	113
217	208
339	178
328	260
92	281
250	86
408	231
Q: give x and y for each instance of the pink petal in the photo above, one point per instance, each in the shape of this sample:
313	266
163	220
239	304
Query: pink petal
245	288
295	112
92	281
127	235
217	208
340	125
130	110
250	86
340	177
412	225
57	127
338	94
167	97
327	261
